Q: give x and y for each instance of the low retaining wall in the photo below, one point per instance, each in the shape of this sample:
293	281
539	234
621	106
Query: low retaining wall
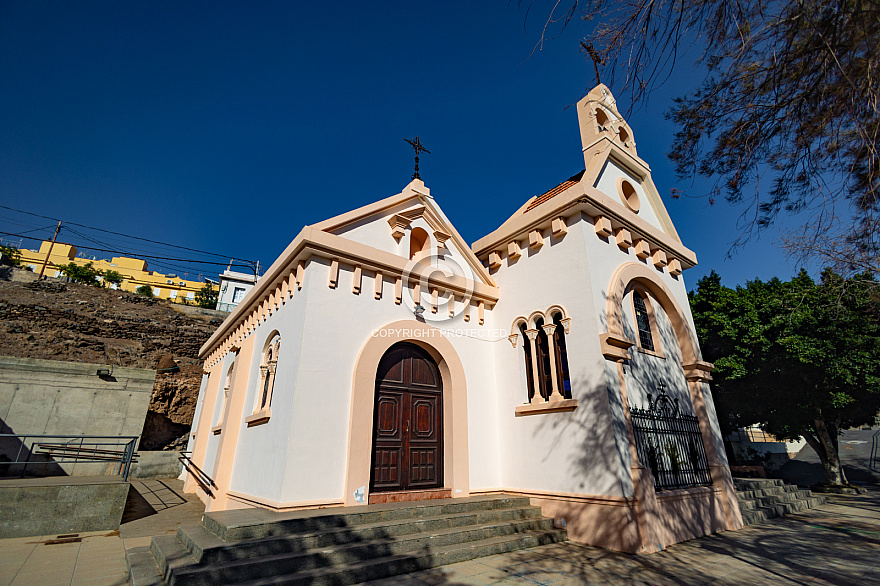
160	464
58	505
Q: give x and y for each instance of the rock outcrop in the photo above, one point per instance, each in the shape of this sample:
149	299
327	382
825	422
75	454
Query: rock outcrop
66	321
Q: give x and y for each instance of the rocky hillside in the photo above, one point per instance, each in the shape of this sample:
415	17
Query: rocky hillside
66	321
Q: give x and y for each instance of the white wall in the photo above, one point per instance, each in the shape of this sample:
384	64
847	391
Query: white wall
301	453
261	455
571	451
606	182
645	372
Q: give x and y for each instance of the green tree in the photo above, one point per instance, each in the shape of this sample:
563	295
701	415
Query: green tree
798	358
786	118
10	255
85	274
207	296
113	277
144	290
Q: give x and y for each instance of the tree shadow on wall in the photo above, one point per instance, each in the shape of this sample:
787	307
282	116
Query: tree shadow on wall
601	460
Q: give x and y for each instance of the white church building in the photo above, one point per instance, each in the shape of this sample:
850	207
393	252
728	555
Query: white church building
382	359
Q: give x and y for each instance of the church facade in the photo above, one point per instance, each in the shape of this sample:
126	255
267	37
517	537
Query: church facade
381	358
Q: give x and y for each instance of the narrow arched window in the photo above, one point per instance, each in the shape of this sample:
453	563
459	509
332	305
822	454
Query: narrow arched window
268	367
561	353
419	242
545	371
643	322
223	398
527	351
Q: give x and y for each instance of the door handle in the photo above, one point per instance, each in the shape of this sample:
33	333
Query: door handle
407	426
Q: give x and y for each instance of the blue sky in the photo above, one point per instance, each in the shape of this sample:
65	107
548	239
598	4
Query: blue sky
227	126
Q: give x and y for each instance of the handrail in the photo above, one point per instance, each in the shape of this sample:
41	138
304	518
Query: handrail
100	448
204	481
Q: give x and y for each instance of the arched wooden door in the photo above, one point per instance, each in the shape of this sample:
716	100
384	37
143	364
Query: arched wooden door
407	422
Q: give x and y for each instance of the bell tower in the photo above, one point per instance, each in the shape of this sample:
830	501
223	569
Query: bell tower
599	120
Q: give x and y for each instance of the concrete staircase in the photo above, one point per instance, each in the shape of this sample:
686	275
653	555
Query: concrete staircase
766	498
339	545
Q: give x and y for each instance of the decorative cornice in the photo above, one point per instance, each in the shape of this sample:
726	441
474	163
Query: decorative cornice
317	243
593	203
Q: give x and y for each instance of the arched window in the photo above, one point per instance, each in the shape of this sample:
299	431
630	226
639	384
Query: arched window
546	356
644	323
601	119
419	242
561	356
527	350
223	398
545	372
268	366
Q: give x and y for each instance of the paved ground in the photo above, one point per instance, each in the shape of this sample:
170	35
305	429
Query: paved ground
157	507
838	543
855	452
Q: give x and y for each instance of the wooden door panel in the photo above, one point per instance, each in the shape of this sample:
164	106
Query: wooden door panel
422	373
407	422
386	469
423	419
389	408
423	468
391	368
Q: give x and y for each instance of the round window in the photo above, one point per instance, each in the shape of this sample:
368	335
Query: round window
628	194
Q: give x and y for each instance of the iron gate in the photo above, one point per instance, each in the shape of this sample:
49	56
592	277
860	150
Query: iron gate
670	444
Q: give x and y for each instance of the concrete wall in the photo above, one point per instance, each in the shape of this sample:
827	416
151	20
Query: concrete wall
53	506
158	464
48	397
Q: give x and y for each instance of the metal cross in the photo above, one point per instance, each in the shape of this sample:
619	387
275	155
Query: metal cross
418	148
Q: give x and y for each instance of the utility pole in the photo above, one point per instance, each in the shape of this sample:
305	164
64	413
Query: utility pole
48	254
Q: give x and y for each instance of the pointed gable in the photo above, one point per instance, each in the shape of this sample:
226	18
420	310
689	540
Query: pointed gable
386	224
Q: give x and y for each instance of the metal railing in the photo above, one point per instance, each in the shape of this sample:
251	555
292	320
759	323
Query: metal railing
670	444
204	481
228	307
36	450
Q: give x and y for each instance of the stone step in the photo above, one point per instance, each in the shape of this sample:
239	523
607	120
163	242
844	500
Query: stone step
759	492
142	568
340	545
755	483
255	523
206	547
762	499
260	563
775	499
376	569
170	555
759	514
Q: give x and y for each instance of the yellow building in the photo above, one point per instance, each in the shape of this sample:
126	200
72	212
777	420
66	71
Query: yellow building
133	270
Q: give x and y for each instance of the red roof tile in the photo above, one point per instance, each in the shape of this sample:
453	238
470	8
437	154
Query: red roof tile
555	191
